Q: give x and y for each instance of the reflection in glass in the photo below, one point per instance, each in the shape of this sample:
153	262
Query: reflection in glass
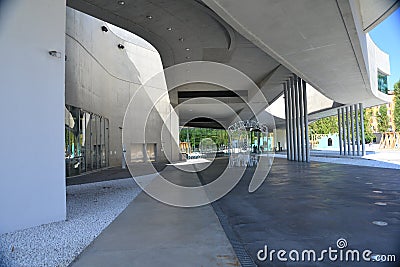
382	83
86	141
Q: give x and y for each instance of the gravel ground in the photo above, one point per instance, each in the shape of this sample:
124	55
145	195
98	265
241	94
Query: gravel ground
90	209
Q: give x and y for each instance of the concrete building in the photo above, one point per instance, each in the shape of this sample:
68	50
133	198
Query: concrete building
64	69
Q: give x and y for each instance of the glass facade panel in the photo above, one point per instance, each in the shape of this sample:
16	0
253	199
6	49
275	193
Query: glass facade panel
86	141
382	83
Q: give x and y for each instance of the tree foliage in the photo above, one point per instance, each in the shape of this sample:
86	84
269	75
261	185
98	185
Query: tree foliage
396	112
383	119
328	125
220	137
369	136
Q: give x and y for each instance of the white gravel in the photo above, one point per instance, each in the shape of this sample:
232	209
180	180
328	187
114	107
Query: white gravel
90	209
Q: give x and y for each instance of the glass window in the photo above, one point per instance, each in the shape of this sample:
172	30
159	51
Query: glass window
382	83
86	141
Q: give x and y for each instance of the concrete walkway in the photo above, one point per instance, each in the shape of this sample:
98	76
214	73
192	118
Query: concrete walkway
149	233
309	206
301	206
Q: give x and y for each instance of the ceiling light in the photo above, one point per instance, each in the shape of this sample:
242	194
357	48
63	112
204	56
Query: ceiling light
181	39
121	3
149	17
169	29
187	57
187	49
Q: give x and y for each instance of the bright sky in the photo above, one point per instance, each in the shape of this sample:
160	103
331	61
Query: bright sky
387	37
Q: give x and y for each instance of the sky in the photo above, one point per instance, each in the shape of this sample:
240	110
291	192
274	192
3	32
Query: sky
387	37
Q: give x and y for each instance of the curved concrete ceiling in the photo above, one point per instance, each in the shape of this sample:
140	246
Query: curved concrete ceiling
187	30
374	12
317	40
268	41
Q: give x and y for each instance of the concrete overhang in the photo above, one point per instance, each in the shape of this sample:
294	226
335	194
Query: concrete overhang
323	42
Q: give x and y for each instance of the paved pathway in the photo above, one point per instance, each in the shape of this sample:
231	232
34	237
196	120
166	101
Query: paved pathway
149	233
300	206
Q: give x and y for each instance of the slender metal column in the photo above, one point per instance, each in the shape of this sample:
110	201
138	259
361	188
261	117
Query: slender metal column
344	132
290	120
297	117
352	130
362	129
301	106
294	129
306	121
340	131
357	129
286	120
348	130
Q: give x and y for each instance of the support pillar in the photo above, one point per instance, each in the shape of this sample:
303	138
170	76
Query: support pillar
357	130
340	132
290	118
352	130
362	129
306	122
301	106
294	129
285	96
344	132
348	130
297	116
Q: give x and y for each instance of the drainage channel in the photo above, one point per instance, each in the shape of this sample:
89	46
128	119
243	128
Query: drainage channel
241	253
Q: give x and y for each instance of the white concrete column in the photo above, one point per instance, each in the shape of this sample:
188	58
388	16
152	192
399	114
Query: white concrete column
357	129
290	99
285	92
306	121
344	132
340	131
32	91
297	117
348	130
294	129
353	148
301	106
362	129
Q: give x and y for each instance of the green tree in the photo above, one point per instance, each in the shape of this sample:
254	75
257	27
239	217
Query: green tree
369	136
383	119
324	126
396	112
219	136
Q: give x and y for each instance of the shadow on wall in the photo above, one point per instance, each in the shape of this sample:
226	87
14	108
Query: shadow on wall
104	71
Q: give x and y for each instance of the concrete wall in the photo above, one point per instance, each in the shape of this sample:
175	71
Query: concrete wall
373	57
32	183
101	78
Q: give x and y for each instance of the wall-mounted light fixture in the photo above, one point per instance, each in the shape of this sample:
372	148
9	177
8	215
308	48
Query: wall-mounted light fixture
54	53
121	46
104	29
121	3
